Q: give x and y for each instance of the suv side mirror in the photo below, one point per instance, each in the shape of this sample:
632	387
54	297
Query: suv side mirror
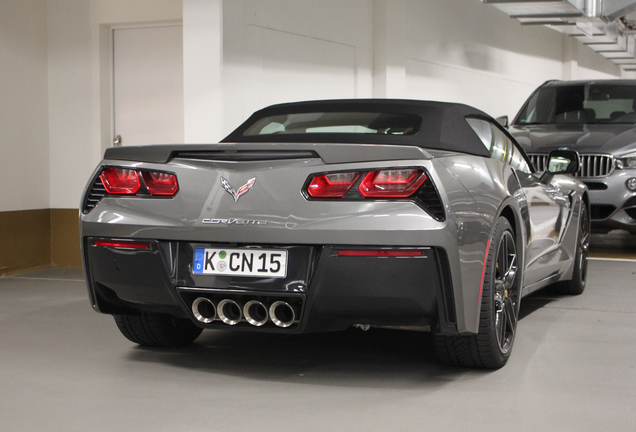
561	162
503	120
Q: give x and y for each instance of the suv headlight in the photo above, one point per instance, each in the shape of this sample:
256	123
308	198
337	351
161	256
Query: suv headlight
627	161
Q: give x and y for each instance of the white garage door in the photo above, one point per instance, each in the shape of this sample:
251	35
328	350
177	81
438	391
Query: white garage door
148	85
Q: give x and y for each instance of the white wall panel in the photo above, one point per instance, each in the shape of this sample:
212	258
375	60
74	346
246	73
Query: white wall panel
203	68
70	91
492	94
464	51
296	67
24	146
288	50
78	80
344	21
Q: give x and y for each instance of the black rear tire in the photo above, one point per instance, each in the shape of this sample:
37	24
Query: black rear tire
490	348
157	330
576	285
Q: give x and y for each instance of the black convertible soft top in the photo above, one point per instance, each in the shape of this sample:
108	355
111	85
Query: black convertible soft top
443	125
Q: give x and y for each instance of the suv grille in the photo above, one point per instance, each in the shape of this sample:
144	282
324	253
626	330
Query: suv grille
592	165
539	161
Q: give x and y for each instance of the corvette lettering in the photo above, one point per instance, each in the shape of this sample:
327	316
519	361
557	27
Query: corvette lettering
234	221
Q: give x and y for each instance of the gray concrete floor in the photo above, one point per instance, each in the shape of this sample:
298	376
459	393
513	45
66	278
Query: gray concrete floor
64	367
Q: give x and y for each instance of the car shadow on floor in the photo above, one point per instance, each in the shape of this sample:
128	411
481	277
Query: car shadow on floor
376	358
537	300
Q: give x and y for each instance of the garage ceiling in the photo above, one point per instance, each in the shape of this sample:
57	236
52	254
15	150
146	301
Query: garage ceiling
600	24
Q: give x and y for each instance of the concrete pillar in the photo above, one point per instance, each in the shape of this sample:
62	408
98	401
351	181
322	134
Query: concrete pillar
389	55
570	62
202	67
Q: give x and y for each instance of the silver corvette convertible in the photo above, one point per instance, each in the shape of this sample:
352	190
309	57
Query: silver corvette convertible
320	216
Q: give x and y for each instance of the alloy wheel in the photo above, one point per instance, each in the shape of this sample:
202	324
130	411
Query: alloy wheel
506	292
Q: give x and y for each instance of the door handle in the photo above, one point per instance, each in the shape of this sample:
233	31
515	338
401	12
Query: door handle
117	141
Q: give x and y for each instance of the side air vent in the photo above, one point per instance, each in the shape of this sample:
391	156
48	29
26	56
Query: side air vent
94	195
245	155
431	202
447	285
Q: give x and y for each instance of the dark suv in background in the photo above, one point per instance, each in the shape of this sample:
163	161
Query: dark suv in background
598	120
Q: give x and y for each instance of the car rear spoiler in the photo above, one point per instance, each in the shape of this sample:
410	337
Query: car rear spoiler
329	153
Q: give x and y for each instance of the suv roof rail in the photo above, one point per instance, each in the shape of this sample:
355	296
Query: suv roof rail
551	81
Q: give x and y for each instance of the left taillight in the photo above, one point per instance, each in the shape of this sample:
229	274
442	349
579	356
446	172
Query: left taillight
120	181
123	181
332	185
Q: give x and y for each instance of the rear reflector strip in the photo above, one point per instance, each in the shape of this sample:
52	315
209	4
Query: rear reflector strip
483	272
122	244
379	253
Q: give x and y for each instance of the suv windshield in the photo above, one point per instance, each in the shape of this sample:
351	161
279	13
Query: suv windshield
580	104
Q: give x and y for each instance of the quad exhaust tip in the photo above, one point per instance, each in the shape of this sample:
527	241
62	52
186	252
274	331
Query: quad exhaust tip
282	314
255	313
229	312
204	310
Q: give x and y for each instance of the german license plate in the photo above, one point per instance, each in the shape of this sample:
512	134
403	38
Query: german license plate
270	263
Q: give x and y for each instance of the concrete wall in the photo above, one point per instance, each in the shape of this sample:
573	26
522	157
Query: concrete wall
241	55
289	50
55	69
70	92
453	50
24	137
79	83
54	97
465	51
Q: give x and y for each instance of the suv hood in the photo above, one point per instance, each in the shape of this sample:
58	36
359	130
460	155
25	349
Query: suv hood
616	139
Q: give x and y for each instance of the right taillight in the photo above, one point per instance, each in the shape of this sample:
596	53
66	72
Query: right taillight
412	184
332	185
394	183
120	181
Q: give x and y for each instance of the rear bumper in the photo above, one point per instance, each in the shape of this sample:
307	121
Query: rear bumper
327	292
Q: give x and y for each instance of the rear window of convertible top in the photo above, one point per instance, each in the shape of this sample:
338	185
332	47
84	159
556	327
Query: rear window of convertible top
337	122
